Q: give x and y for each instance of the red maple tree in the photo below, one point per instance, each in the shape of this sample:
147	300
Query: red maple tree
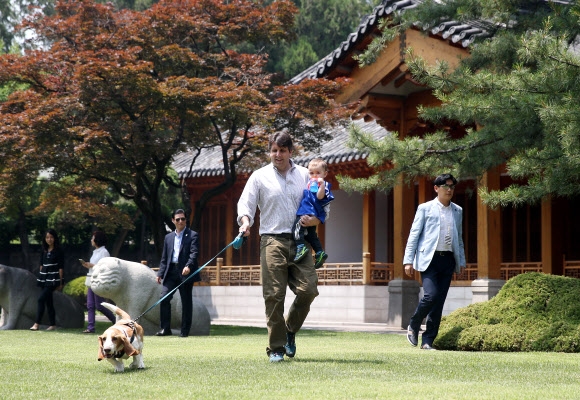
112	96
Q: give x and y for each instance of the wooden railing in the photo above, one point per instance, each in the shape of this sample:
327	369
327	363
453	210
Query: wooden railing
231	275
469	273
507	271
571	268
355	274
361	273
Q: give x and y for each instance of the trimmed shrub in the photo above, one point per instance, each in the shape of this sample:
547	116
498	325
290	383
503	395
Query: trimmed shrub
449	333
498	337
532	312
77	290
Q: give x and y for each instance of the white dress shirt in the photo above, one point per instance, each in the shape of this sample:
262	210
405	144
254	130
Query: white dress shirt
277	196
177	246
446	226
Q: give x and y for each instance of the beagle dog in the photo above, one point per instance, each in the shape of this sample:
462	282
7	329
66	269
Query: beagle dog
121	341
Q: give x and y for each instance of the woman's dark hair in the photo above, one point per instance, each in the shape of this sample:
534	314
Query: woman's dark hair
54	235
99	238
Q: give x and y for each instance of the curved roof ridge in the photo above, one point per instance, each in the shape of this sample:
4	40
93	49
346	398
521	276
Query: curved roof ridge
461	32
209	162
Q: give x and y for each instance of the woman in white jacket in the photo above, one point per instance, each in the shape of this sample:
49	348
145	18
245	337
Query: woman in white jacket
99	240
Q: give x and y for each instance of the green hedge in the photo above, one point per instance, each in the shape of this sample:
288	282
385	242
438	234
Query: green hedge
77	290
532	312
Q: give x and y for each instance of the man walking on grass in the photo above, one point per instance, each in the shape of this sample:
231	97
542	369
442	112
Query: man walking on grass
435	245
276	190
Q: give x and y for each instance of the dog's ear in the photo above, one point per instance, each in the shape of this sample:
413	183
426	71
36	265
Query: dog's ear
128	347
101	355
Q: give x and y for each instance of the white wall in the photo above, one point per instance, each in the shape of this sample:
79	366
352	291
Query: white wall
344	228
335	304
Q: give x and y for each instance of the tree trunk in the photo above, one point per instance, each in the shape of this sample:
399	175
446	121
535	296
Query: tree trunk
119	240
142	240
151	209
24	243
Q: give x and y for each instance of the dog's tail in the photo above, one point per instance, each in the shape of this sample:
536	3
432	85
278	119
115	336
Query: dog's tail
117	311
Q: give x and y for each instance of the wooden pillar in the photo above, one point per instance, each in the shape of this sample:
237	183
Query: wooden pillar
403	214
230	218
425	190
366	268
489	231
547	233
403	206
368	223
218	263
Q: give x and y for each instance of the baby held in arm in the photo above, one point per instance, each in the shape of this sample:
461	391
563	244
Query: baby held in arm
315	199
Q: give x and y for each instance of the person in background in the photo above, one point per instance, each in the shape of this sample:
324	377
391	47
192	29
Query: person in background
99	241
315	200
178	260
435	245
276	190
50	278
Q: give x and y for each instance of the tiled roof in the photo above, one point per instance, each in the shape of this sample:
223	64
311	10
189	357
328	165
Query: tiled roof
209	162
336	151
463	33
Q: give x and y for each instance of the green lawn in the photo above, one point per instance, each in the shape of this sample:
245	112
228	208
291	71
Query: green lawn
231	364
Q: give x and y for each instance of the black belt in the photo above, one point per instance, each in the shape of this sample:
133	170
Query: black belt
174	265
443	253
280	235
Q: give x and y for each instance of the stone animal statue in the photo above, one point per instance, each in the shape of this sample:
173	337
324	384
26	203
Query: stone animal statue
18	299
133	287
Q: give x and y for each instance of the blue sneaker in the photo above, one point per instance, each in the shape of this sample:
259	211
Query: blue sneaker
276	357
301	251
319	259
290	345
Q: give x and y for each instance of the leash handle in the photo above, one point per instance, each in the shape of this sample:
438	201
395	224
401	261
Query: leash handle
239	241
193	274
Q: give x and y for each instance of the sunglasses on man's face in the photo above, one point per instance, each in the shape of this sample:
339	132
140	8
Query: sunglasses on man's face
180	219
445	187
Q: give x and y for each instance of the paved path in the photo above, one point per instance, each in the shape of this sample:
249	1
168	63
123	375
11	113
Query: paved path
323	326
337	326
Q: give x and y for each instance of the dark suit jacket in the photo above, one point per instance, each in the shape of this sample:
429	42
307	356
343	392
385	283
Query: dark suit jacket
187	254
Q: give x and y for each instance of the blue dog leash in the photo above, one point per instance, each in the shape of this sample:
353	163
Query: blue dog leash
236	243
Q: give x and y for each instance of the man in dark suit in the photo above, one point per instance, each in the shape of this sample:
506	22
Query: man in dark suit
179	259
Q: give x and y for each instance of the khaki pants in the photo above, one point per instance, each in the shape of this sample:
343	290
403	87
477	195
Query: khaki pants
278	272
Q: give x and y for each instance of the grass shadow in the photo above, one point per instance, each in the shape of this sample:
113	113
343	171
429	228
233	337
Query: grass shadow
233	330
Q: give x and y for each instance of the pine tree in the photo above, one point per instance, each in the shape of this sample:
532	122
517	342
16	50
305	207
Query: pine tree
321	26
117	94
519	91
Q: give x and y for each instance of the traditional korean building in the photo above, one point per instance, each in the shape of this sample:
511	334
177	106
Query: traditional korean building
366	234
